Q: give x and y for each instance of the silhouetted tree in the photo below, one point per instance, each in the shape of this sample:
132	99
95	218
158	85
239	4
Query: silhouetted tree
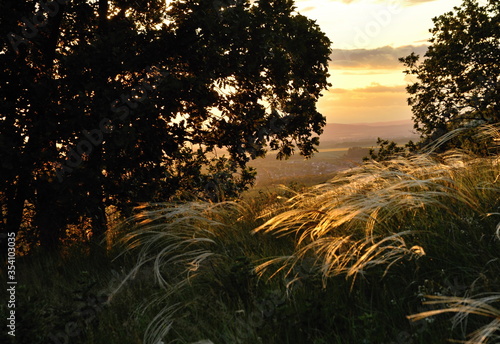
459	78
118	102
389	149
458	83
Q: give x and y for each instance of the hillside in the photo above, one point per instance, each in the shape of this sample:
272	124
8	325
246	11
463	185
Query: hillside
337	132
336	152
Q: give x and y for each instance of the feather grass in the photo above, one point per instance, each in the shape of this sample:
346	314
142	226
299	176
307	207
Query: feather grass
175	240
463	307
357	220
366	217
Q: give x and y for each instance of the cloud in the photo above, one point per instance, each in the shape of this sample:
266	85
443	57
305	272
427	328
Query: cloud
375	95
373	88
366	110
402	2
416	2
357	72
378	58
375	102
307	9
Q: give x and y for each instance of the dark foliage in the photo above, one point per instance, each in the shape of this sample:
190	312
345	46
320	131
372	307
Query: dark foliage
458	81
119	102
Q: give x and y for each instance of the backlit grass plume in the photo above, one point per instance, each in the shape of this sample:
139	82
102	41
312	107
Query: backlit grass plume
172	236
199	253
173	240
363	216
464	307
438	210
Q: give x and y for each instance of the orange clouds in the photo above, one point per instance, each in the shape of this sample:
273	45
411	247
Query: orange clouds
379	58
375	95
403	2
368	85
369	37
374	103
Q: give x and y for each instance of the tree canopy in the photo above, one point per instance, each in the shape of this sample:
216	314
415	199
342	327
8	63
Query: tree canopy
118	102
458	81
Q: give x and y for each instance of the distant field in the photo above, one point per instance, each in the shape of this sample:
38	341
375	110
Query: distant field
332	156
325	150
296	169
341	147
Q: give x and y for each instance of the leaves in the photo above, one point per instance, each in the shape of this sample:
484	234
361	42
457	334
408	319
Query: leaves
458	79
216	74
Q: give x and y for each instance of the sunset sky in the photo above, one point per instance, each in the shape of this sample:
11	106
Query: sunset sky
369	36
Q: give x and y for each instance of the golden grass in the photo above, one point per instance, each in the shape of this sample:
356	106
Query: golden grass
365	217
360	218
463	307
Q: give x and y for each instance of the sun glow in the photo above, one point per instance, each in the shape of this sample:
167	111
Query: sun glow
368	38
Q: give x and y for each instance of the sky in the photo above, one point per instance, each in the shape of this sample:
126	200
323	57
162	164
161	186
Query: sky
368	83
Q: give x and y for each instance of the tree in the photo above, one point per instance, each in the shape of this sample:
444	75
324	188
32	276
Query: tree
389	149
459	78
119	102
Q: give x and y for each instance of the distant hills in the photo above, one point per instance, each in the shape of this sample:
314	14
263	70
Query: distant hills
341	146
367	132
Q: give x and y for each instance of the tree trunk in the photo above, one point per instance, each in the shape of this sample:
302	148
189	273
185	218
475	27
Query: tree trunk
50	218
98	209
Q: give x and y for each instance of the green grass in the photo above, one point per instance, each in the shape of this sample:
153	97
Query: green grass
404	251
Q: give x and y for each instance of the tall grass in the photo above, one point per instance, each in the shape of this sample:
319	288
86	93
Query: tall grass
196	255
413	223
463	307
362	217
